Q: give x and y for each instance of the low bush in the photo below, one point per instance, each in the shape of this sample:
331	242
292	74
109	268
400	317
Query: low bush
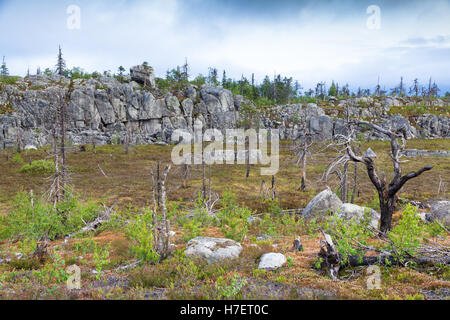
17	159
140	231
39	167
233	218
36	218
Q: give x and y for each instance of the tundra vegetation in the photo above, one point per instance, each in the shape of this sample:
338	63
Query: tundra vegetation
125	215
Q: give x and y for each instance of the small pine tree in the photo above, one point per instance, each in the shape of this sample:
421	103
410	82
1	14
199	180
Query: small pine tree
3	69
332	92
61	65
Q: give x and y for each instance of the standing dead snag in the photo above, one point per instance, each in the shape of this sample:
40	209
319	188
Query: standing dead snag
58	187
386	193
186	174
62	115
161	228
302	150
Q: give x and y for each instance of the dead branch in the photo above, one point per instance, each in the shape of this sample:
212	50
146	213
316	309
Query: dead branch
103	217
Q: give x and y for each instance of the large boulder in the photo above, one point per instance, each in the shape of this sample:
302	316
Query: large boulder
213	249
348	211
324	203
272	261
143	74
440	211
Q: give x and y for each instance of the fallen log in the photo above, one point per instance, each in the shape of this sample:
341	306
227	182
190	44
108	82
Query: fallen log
102	218
424	256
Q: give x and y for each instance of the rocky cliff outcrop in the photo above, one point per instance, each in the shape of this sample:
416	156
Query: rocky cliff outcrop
102	110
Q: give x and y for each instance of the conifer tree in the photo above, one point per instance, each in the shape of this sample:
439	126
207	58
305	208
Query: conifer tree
3	69
61	65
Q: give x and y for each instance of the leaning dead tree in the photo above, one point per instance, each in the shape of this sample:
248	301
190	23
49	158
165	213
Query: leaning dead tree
386	192
161	228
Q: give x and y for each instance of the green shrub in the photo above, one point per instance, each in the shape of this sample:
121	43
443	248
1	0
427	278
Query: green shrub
233	218
406	236
37	218
232	290
140	231
17	159
101	259
9	79
192	229
346	234
39	167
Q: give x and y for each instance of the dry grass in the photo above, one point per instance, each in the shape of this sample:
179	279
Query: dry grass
128	184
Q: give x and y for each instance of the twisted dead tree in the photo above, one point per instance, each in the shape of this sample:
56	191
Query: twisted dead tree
386	192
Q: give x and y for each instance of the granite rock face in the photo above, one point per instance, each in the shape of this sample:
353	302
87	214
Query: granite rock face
102	110
144	75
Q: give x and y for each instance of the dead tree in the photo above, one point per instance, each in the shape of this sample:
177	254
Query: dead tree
161	229
127	140
330	256
274	191
62	116
302	150
391	255
54	193
355	182
186	174
386	192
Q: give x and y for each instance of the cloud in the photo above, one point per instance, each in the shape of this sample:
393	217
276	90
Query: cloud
309	40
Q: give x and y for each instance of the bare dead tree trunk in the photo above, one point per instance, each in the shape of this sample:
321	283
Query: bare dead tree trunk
127	141
186	174
355	182
165	222
386	192
64	102
19	139
344	183
55	189
161	230
274	195
304	164
155	207
63	148
210	184
204	173
158	184
93	146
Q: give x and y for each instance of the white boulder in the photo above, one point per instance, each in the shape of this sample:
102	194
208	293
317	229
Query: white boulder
213	249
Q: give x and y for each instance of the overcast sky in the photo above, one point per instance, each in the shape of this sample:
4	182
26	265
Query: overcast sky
308	40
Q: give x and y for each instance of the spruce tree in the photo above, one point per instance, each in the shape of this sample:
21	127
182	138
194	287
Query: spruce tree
61	65
3	69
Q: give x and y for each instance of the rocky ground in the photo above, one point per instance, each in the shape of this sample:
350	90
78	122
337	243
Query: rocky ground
264	265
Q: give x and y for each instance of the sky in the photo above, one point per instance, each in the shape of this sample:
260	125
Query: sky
353	42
